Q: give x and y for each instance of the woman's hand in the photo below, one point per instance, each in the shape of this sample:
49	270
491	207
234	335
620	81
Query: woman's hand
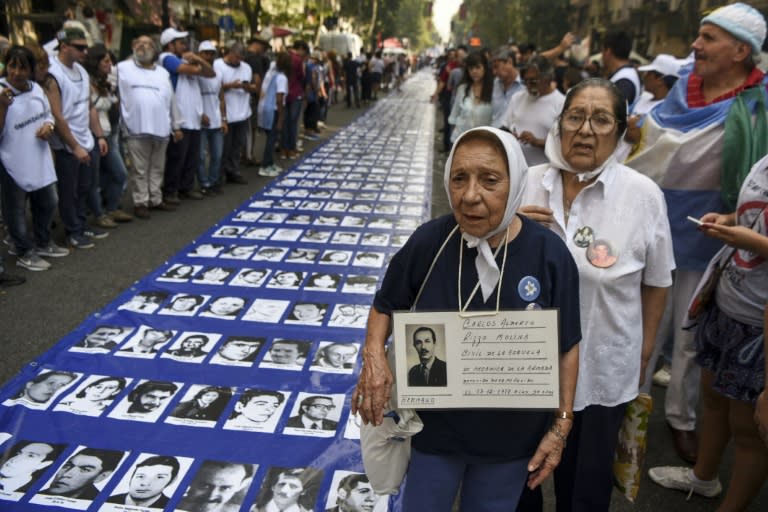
548	454
374	387
527	137
740	237
632	135
538	214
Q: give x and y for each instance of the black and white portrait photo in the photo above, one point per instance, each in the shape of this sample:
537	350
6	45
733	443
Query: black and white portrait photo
206	251
179	273
239	252
323	282
286	279
184	304
360	284
258	233
315	414
257	410
213	276
218	486
377	239
302	255
273	217
250	277
149	484
228	232
224	308
266	310
267	253
285	489
298	218
426	355
352	221
146	402
349	315
146	342
247	216
144	302
22	464
102	339
41	390
316	236
286	354
353	492
368	259
286	234
201	406
327	220
345	237
191	347
307	313
334	257
238	351
93	396
335	357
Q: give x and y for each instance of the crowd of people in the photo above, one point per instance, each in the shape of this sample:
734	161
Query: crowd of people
166	124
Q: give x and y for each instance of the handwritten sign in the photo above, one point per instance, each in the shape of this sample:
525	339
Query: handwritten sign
505	360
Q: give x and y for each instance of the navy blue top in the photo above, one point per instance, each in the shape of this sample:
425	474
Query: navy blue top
483	435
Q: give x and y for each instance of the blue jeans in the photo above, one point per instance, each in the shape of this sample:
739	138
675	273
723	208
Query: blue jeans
432	482
291	125
14	201
114	176
211	139
74	186
94	189
269	147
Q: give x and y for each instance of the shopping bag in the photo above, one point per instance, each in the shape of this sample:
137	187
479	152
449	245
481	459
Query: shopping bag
630	449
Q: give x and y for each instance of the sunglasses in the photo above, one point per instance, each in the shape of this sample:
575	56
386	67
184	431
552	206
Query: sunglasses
79	47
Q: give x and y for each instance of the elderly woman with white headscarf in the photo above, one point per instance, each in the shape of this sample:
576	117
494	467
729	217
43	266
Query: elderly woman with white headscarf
614	222
478	259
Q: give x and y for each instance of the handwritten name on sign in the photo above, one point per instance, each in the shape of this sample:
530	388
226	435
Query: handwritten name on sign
505	360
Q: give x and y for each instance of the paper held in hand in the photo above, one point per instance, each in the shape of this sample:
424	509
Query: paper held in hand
504	360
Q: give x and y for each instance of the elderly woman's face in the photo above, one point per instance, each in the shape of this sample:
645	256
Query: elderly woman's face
479	186
582	148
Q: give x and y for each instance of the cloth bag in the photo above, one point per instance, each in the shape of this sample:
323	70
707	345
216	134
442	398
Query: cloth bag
386	449
630	448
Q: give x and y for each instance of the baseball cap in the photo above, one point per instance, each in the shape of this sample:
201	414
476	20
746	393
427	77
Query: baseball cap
171	34
68	34
665	65
207	46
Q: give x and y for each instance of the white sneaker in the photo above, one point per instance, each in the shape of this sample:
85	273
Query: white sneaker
52	251
676	477
274	170
263	171
31	261
662	377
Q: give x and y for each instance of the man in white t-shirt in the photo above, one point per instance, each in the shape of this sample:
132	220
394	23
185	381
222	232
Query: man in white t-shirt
148	114
76	153
183	156
532	112
214	124
238	85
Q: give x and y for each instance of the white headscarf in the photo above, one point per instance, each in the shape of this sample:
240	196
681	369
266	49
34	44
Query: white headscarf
487	270
554	150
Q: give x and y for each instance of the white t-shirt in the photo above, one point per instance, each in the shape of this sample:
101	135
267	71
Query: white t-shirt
535	114
628	210
27	158
209	91
377	65
145	99
645	104
742	291
238	100
188	98
75	90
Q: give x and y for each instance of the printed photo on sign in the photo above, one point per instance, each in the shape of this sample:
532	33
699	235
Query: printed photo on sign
206	251
377	239
266	310
93	396
336	206
146	343
320	194
315	236
307	313
345	237
146	402
297	192
362	207
201	406
145	302
102	339
327	220
332	257
191	347
251	277
149	484
272	217
349	315
224	308
335	357
298	218
246	216
323	282
81	478
239	252
399	240
352	221
352	428
184	304
38	392
360	284
264	203
228	232
289	489
257	410
213	276
22	464
380	223
286	354
270	254
179	273
352	492
238	351
426	355
311	205
217	487
286	204
258	233
286	279
4	436
287	234
369	259
406	224
302	255
315	415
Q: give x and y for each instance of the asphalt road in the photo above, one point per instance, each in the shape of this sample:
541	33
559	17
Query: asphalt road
34	316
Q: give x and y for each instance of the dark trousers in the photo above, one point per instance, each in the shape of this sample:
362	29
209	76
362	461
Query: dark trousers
311	115
584	477
234	142
74	186
269	146
353	89
291	125
182	162
445	105
42	202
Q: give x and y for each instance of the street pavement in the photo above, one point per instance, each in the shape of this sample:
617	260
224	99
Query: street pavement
34	316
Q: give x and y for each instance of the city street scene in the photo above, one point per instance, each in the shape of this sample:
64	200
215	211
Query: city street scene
383	256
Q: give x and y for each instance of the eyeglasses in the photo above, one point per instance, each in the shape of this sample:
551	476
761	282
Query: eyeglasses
323	406
79	47
601	123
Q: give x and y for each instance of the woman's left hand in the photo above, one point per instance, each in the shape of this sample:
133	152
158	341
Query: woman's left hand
528	138
547	455
761	416
740	237
540	214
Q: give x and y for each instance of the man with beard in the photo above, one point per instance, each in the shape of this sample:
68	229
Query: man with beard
77	476
150	396
215	487
148	114
431	371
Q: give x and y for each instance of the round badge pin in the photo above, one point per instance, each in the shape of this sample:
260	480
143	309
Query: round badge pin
533	306
584	236
601	253
529	288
